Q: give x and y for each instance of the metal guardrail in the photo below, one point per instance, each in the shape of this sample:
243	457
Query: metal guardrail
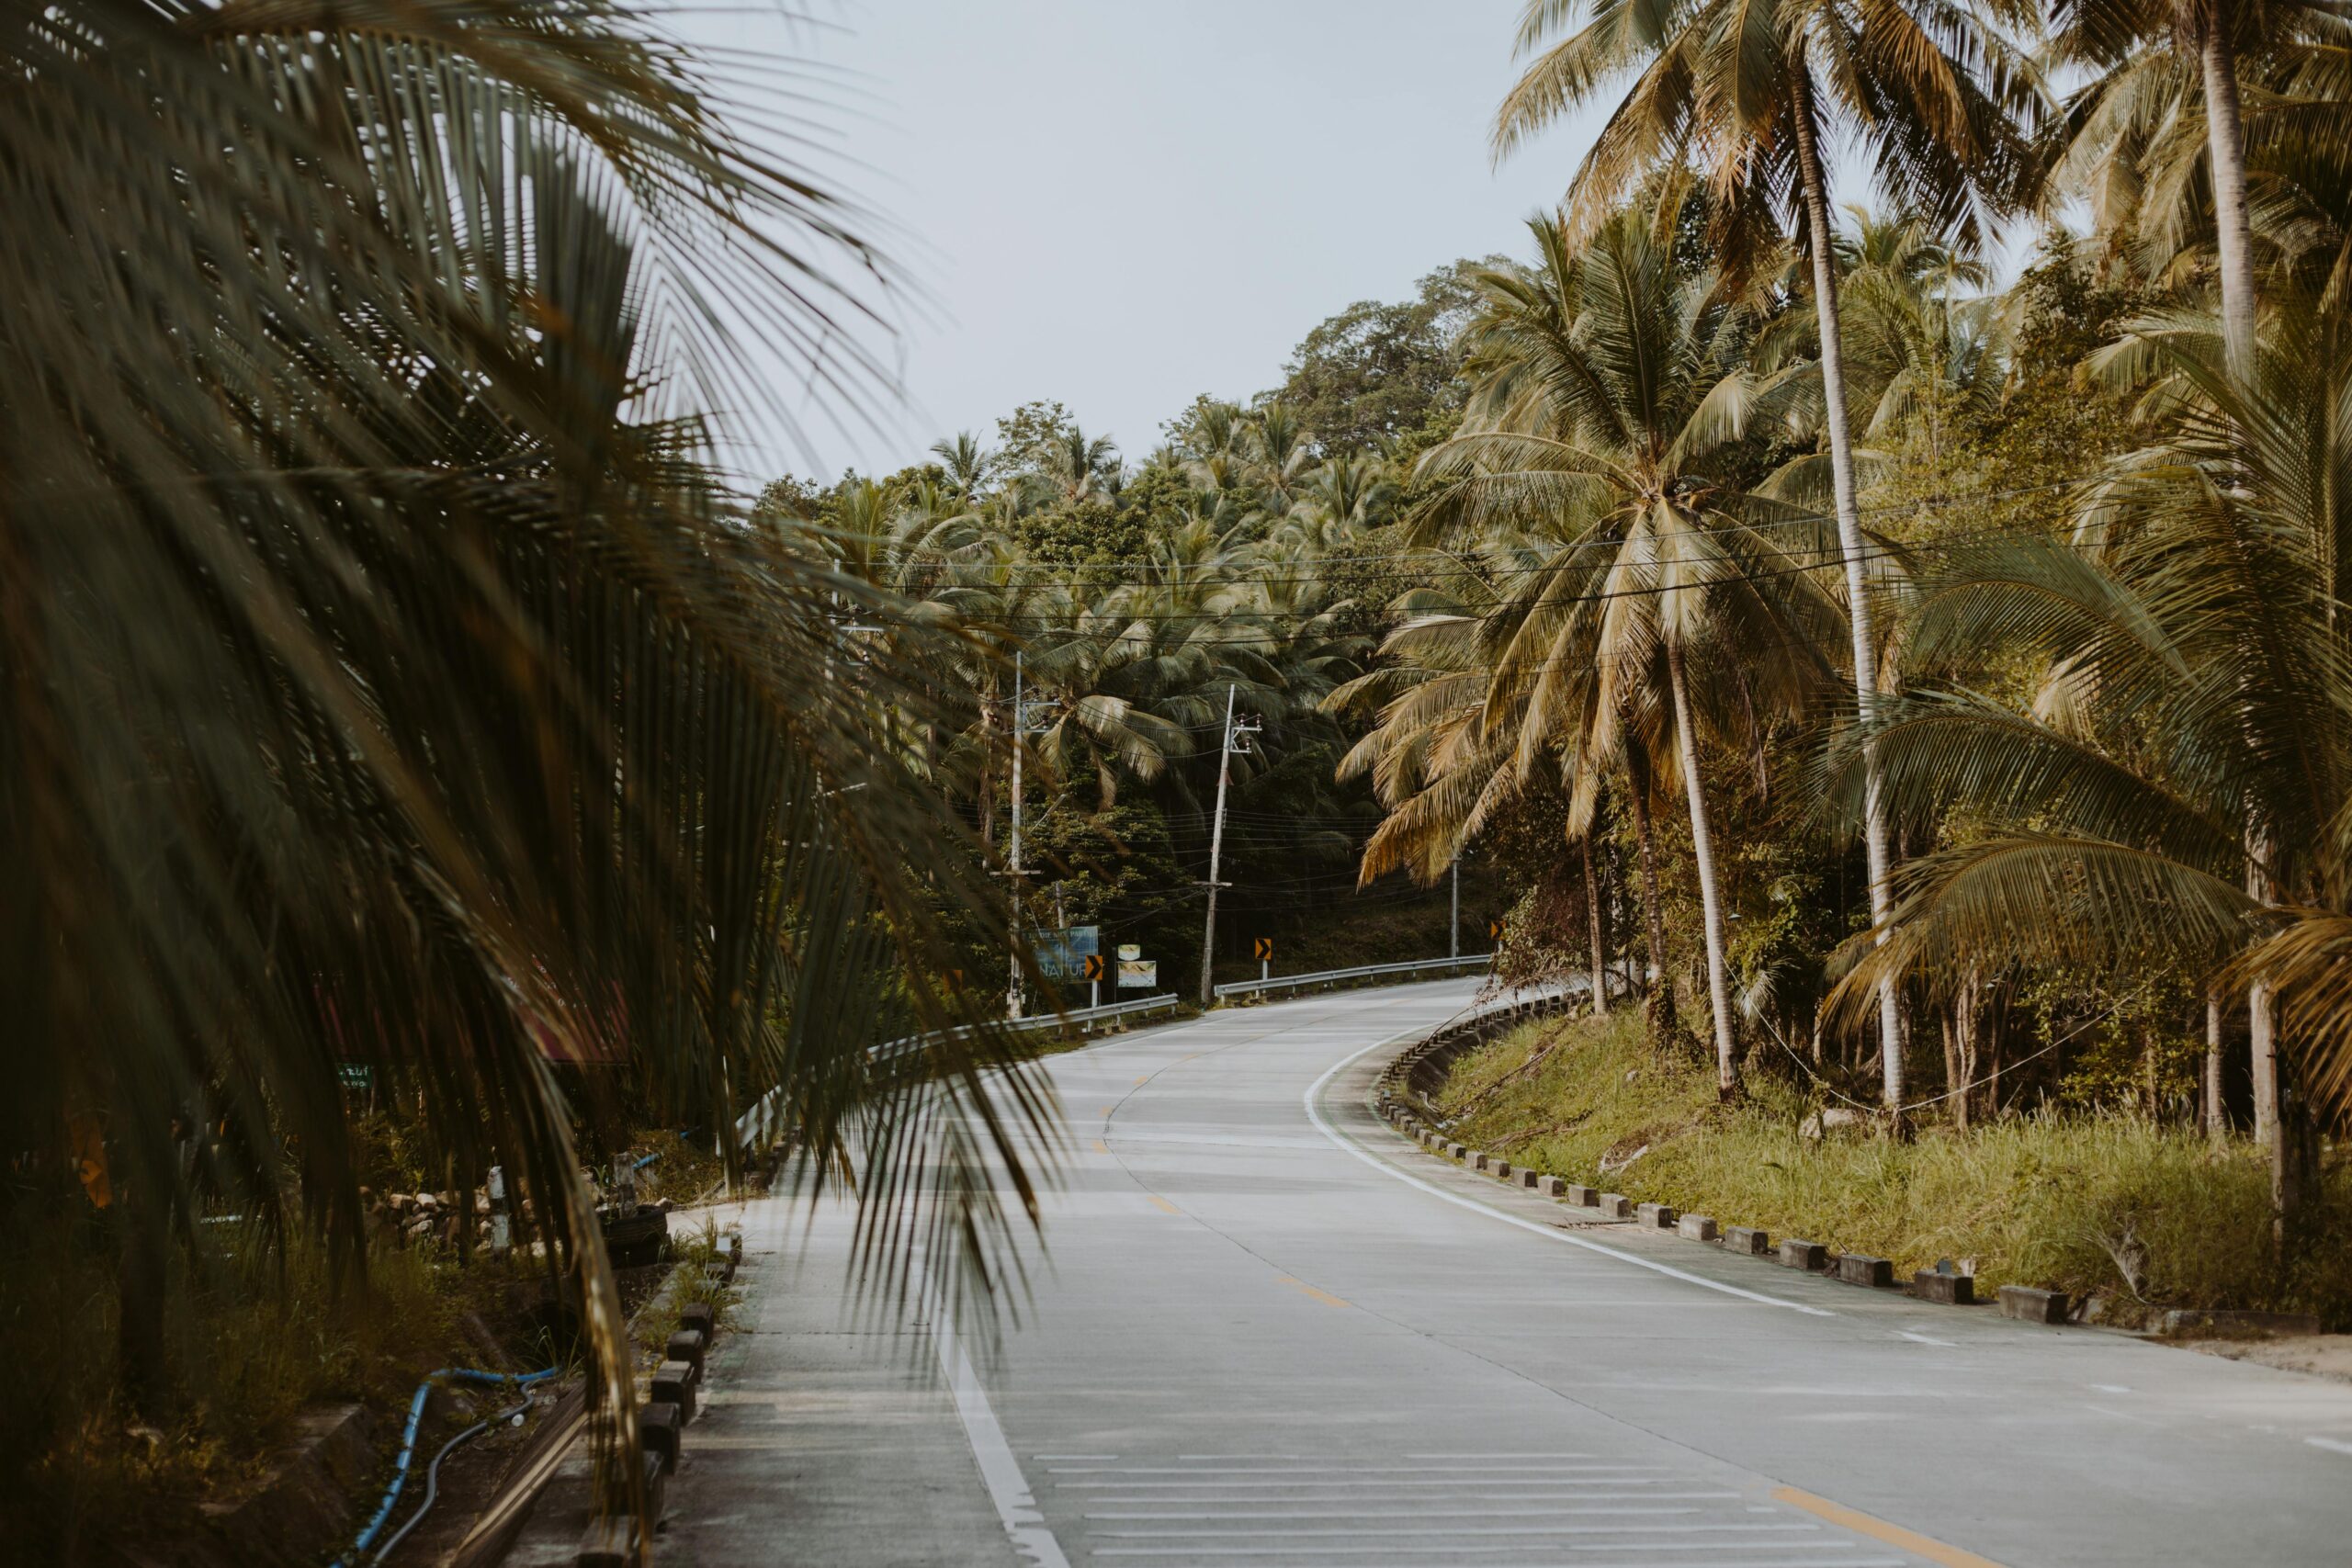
1329	977
757	1125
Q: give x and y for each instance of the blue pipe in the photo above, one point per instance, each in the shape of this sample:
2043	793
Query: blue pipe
408	1442
649	1159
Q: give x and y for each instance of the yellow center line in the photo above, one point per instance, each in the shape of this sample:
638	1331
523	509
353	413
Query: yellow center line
1166	1204
1101	1147
1325	1297
1935	1552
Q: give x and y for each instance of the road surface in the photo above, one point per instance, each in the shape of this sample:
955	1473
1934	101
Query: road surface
1266	1330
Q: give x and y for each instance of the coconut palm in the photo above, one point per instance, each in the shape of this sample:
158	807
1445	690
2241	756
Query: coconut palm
2194	677
389	679
1749	96
2133	52
1606	430
968	464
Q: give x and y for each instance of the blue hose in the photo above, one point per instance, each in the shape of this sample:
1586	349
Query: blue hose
408	1442
649	1159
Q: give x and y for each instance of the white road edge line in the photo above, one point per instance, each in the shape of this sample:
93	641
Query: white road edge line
1341	1140
1016	1506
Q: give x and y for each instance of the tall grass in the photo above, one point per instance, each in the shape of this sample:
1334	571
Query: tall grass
2154	1216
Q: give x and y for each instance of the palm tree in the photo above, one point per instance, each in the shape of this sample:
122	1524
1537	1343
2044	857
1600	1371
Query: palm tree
2131	49
1749	96
1606	431
968	464
391	679
2194	665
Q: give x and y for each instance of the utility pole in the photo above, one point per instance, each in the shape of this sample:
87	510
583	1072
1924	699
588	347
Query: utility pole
1217	833
1013	983
1453	927
1021	732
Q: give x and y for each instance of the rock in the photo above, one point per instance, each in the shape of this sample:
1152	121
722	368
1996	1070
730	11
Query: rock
1823	1121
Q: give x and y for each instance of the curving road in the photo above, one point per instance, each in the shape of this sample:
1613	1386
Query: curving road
1266	1330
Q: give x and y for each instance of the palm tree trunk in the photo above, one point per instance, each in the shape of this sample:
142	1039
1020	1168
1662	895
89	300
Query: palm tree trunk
1703	851
1815	191
2215	1120
1592	927
2225	151
1657	988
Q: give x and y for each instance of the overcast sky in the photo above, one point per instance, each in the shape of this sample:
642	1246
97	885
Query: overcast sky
1120	205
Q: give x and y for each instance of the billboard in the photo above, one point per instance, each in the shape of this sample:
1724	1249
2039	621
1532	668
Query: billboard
1062	953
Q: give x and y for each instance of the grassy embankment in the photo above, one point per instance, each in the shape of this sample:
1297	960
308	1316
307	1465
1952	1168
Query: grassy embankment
2152	1216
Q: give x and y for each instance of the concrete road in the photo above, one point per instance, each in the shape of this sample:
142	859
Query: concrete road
1266	1330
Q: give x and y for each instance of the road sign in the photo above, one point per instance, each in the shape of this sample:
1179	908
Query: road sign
1261	947
1494	930
1135	973
1090	967
355	1074
1061	952
1129	951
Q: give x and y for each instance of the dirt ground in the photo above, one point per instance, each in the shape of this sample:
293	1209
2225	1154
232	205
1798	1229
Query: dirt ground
2321	1355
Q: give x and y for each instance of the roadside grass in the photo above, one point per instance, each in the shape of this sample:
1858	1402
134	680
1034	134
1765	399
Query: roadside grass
2151	1216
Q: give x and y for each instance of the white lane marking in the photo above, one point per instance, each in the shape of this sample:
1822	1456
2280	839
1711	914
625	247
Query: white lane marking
1230	1516
1745	1526
1926	1339
1486	1553
2333	1445
2111	1388
1499	1470
1074	1456
1008	1488
1531	1485
1342	1141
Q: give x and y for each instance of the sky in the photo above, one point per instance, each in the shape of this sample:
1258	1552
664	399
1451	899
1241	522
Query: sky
1120	205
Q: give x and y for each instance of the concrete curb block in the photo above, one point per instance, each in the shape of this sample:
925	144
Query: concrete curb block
1616	1205
1857	1269
1951	1289
1583	1196
1656	1216
1747	1240
1808	1255
2031	1305
1696	1227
